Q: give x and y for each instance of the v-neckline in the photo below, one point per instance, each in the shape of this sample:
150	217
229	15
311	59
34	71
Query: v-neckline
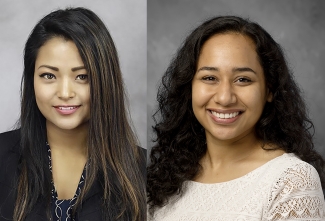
80	184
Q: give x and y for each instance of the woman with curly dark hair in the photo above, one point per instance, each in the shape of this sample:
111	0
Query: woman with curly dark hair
234	141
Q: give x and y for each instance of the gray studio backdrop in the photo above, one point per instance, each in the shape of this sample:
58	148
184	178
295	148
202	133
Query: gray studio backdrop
127	23
298	25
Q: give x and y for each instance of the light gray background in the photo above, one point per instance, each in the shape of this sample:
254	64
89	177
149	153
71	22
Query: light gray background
127	23
298	25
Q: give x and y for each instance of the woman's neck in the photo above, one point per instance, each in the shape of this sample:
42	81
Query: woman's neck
226	160
68	141
231	151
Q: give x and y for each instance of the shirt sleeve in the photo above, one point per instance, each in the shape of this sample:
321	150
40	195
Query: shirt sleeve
297	195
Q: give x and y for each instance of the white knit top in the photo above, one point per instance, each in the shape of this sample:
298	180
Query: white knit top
285	188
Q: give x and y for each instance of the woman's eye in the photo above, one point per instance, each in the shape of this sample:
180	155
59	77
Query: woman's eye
209	78
82	77
243	80
47	76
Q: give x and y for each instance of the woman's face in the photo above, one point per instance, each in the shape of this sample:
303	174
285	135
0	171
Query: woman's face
228	89
61	84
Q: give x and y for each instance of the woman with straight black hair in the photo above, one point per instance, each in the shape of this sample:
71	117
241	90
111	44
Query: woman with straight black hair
233	138
75	156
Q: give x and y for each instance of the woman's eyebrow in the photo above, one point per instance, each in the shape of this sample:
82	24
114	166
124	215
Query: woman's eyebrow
207	68
48	66
243	69
78	68
235	69
57	69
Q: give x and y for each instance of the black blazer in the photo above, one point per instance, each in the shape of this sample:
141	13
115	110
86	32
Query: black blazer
9	172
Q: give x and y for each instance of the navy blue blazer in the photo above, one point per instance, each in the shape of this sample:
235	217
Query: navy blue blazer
9	172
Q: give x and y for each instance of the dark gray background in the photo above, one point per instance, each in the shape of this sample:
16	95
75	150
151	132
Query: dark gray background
298	25
127	23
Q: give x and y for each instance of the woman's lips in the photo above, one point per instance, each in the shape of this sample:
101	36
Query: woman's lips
224	117
67	110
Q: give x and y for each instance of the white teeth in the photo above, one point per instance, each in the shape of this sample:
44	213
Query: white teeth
66	108
225	116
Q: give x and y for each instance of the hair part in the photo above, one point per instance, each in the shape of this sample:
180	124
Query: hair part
180	139
111	146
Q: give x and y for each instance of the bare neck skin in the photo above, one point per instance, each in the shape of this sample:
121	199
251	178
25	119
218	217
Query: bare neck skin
68	141
229	151
231	159
69	156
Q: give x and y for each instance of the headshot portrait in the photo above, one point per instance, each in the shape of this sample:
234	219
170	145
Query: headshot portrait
235	131
297	26
129	35
72	146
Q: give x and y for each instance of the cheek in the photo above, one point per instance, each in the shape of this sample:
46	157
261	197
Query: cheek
200	95
43	94
254	98
84	93
40	94
85	99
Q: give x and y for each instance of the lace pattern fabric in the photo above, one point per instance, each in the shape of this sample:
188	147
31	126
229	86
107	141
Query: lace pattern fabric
284	188
294	196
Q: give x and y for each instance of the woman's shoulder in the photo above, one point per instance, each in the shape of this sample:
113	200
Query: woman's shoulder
297	190
9	153
9	158
9	141
289	169
9	165
289	162
293	170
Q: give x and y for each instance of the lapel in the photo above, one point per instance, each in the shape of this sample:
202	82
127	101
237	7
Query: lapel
92	205
90	209
95	189
38	212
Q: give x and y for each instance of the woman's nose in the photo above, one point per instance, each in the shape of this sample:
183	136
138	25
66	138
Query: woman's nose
224	94
65	89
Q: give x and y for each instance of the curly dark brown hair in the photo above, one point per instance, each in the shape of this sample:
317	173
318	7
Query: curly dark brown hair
180	139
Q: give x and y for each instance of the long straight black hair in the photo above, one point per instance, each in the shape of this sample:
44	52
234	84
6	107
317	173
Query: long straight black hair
111	142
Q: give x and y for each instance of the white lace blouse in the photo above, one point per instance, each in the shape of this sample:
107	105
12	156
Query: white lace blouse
284	188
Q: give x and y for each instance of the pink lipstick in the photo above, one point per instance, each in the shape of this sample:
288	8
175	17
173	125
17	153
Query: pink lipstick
66	110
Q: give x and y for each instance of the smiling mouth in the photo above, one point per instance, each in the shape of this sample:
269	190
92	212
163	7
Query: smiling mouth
225	115
68	108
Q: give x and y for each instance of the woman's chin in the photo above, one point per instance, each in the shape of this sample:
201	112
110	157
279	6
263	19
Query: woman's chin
67	125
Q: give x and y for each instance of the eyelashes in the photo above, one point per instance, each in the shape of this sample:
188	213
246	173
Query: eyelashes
82	77
49	76
239	80
243	80
209	78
